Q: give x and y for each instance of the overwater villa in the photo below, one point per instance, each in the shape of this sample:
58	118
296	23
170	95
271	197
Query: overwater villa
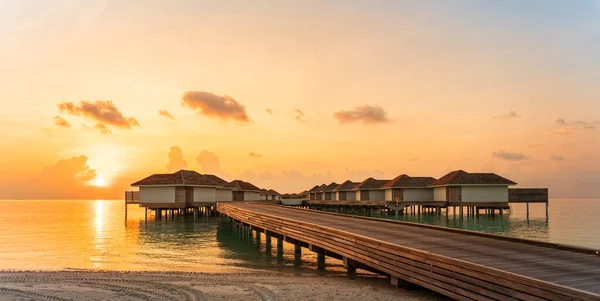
320	192
344	191
370	190
328	192
273	195
245	191
409	189
312	193
182	189
461	188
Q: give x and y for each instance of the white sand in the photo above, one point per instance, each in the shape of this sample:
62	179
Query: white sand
90	285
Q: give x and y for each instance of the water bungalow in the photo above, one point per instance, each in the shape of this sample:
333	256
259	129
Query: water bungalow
328	192
273	195
344	191
370	190
405	188
312	193
320	192
460	188
264	194
182	189
245	191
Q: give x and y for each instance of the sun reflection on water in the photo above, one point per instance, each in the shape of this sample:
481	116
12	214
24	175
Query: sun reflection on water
99	241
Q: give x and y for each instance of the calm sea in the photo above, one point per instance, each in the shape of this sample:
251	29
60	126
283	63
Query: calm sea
51	235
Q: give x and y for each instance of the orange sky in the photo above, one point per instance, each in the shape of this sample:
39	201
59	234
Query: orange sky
288	95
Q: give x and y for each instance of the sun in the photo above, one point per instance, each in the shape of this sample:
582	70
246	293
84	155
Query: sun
100	181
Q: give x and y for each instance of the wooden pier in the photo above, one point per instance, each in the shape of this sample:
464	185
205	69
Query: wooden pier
460	264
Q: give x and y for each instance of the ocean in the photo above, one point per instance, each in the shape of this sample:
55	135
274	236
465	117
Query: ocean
94	234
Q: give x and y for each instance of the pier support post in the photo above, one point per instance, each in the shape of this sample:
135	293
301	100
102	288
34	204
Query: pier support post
397	282
321	260
146	214
268	243
546	210
280	249
297	255
297	250
527	205
258	239
350	267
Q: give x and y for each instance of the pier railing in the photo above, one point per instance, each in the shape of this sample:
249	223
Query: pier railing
132	197
528	195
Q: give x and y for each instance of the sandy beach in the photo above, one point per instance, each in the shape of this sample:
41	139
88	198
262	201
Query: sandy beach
91	285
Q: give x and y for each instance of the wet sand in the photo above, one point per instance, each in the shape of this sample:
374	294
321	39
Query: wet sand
91	285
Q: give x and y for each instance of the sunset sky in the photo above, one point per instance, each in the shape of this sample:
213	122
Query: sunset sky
289	94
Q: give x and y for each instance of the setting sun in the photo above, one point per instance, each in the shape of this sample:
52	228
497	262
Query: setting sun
100	181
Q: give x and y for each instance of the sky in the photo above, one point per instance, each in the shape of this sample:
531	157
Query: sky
95	95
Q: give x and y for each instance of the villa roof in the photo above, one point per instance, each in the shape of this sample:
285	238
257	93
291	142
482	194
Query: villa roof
408	181
314	189
242	185
461	177
273	192
331	187
321	188
348	185
182	178
370	183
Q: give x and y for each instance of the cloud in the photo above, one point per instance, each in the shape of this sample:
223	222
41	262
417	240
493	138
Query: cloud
102	128
103	112
367	114
563	131
66	179
61	122
209	162
166	114
176	161
508	156
299	116
255	155
215	106
509	115
269	111
557	158
576	123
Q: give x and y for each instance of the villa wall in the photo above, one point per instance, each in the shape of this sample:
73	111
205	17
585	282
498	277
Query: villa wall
485	194
251	196
224	195
157	195
205	194
439	194
376	195
418	195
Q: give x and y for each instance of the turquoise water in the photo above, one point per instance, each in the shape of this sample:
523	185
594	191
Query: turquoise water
51	235
570	221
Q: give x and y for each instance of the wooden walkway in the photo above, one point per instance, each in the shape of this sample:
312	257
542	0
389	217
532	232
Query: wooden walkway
463	265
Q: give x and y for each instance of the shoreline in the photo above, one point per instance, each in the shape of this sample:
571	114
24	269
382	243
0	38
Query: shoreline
171	285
